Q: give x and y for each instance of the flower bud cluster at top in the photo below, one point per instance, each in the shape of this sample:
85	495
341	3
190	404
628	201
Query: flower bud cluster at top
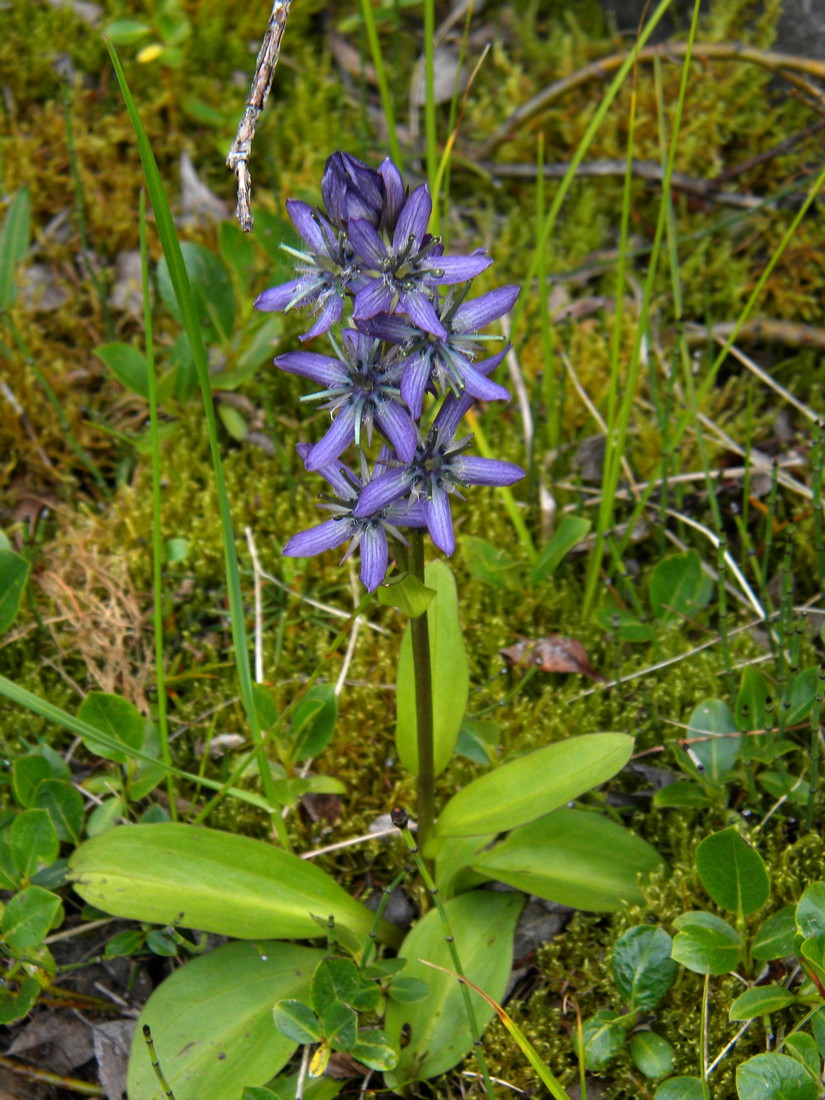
407	336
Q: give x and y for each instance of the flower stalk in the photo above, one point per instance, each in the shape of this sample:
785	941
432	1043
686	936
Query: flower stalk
422	667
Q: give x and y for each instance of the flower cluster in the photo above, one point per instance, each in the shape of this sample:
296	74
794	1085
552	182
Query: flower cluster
408	336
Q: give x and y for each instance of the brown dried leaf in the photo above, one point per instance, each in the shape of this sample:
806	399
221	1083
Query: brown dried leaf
555	653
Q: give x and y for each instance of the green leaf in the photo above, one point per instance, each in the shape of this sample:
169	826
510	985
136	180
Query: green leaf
340	1025
677	587
17	1005
33	841
335	979
158	872
119	719
14	572
14	245
126	32
818	1029
705	944
237	250
491	565
212	1021
569	533
732	872
682	1088
775	938
752	700
643	968
812	953
774	1077
603	1037
653	1055
128	365
407	593
124	943
810	910
762	1000
64	805
623	624
681	793
373	1048
439	1035
803	1048
574	857
799	701
408	990
234	421
27	773
479	739
450	676
534	784
29	917
211	288
717	740
313	722
297	1021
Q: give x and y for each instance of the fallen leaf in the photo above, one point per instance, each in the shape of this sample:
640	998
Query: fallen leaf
555	653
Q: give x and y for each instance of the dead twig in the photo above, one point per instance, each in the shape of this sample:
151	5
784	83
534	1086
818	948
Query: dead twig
791	67
238	158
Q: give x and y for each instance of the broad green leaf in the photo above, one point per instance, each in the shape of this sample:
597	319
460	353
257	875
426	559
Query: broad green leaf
774	939
812	955
643	968
212	1021
810	910
491	565
237	250
313	722
124	943
33	841
705	944
732	872
259	350
234	421
16	1005
714	738
211	289
126	32
453	858
678	588
27	773
64	805
28	918
774	1077
681	793
534	784
573	857
751	701
762	1000
119	719
335	979
803	1048
408	990
128	365
297	1021
14	572
14	244
220	882
801	696
682	1088
407	593
603	1036
373	1048
818	1029
623	624
439	1035
653	1055
450	676
340	1025
569	533
479	739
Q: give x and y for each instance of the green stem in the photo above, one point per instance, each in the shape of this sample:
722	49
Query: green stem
425	783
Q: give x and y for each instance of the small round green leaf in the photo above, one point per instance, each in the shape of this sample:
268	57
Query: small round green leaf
643	968
653	1055
775	938
762	1000
732	872
706	944
682	1088
114	716
603	1037
297	1021
774	1077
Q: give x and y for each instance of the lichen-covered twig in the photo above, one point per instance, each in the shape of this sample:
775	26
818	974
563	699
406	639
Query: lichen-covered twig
238	157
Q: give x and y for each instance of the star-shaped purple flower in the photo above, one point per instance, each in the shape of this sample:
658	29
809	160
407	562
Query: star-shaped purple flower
361	389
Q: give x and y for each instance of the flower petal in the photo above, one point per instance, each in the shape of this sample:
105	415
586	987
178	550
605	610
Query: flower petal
364	238
481	388
394	423
315	540
394	194
381	491
474	315
440	520
472	470
305	220
458	269
419	308
323	369
374	298
277	297
335	442
413	219
414	381
330	314
374	555
390	327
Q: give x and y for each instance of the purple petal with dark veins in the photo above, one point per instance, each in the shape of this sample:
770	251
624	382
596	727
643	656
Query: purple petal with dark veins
389	327
330	314
336	441
277	297
414	382
472	470
334	472
451	414
412	222
481	388
395	425
304	218
394	194
365	240
440	520
323	369
374	555
315	540
474	315
381	491
375	297
419	308
458	269
403	514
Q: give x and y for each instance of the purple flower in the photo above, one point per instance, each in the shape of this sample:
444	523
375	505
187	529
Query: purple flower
447	362
326	271
361	388
369	532
438	468
351	190
401	277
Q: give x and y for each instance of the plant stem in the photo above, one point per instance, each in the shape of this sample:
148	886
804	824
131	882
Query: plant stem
419	630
